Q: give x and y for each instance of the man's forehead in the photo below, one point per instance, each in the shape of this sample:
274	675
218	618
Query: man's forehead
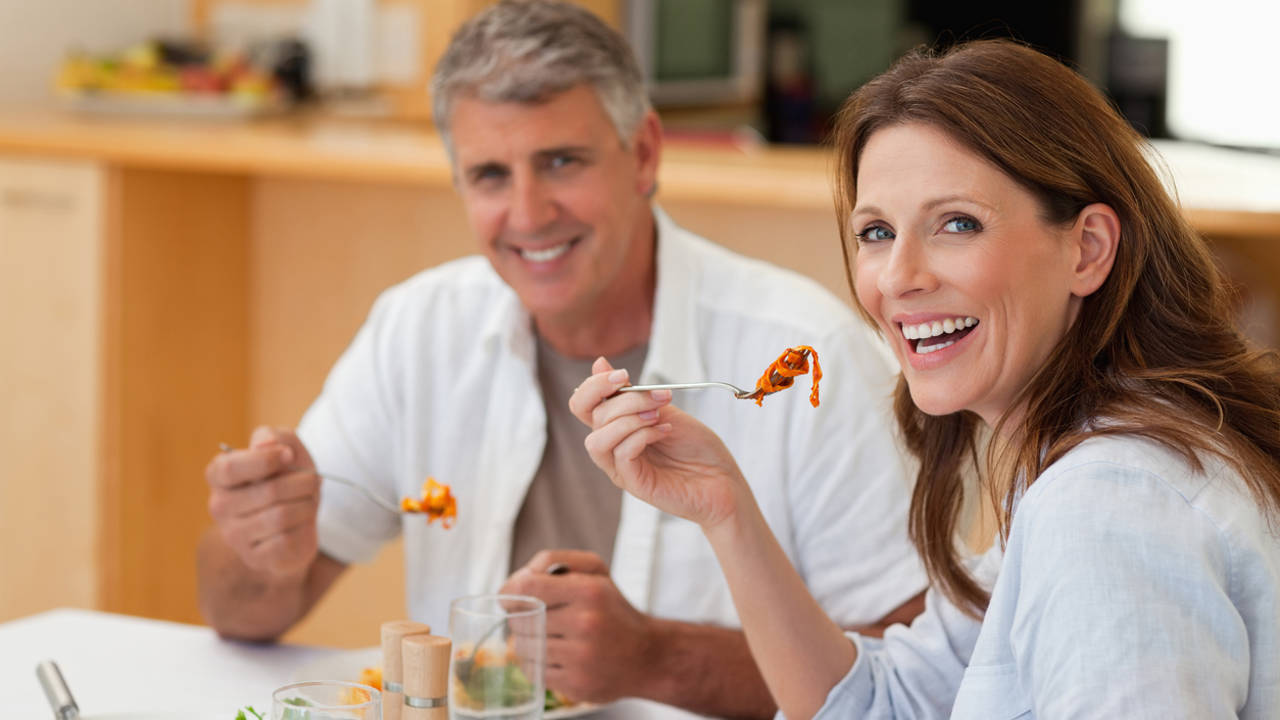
572	118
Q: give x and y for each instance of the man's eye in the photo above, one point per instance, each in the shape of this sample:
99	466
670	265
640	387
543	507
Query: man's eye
961	225
559	162
488	174
875	233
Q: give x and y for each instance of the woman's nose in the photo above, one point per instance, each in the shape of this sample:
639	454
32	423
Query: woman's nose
908	270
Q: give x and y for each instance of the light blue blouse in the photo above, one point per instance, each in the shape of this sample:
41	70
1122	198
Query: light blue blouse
1131	587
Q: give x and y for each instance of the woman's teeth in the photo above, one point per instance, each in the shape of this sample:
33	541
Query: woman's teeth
545	254
936	328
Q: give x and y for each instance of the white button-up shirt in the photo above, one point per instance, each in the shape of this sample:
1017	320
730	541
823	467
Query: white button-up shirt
1132	586
441	381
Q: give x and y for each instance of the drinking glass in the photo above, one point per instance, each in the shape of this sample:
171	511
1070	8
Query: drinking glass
326	700
499	650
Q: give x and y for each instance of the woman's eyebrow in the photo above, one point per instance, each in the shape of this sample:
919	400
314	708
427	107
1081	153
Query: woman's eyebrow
874	210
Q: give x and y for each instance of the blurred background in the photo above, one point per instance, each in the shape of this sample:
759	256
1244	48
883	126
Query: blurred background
199	200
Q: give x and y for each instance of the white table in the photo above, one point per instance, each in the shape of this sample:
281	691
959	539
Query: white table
117	663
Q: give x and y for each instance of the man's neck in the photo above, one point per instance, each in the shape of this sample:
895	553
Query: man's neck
620	319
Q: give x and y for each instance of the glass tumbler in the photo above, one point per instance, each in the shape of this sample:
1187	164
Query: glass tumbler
326	700
499	651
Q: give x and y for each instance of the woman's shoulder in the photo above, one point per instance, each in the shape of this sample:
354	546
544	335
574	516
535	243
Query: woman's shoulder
1138	484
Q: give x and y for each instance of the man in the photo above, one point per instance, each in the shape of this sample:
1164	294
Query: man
464	371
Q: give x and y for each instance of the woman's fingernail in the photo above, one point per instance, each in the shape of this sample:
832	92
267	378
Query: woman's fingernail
660	395
648	415
663	428
617	376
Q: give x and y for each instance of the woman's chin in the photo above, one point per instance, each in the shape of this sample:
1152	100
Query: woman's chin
934	403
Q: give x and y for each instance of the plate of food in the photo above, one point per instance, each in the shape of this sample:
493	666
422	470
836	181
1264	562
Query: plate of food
365	666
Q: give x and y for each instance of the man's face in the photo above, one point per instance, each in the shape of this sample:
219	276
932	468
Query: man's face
555	199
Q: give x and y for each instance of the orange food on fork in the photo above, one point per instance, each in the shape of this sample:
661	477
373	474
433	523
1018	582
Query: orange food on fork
782	373
437	502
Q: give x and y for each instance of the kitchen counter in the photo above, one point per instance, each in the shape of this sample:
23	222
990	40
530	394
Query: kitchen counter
381	152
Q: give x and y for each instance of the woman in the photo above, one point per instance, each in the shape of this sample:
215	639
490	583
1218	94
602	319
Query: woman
1008	238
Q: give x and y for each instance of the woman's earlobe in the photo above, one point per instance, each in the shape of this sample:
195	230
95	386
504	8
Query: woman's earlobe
1097	234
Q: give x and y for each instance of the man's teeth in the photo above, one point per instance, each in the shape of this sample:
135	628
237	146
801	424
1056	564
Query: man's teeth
545	254
936	328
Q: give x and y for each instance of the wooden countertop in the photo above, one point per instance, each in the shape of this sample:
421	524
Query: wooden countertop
1223	191
363	151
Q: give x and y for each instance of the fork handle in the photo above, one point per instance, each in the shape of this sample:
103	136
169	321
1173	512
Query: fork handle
680	386
377	499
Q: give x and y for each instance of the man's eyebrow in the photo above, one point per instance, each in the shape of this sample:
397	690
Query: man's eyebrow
562	150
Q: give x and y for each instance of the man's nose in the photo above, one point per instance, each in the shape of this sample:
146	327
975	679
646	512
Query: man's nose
532	207
909	269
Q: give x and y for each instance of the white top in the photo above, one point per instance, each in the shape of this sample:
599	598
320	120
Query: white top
441	381
1131	587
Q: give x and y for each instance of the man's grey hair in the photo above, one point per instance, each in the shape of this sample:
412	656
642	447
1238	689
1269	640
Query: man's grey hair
528	51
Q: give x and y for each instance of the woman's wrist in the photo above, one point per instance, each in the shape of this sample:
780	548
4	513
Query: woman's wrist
742	521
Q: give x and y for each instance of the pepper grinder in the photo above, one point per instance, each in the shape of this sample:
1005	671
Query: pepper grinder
393	632
426	677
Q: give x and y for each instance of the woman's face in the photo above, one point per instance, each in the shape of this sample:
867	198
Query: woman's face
958	267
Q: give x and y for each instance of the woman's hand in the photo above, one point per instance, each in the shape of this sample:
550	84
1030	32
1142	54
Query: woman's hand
655	451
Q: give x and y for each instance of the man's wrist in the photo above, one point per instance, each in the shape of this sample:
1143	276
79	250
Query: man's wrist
652	680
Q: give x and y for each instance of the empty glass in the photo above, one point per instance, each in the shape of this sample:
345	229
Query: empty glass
499	650
326	700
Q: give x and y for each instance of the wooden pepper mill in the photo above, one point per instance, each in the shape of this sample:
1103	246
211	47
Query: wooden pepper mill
393	632
426	677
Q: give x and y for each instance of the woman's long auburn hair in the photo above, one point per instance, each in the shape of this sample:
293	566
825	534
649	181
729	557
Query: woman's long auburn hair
1154	351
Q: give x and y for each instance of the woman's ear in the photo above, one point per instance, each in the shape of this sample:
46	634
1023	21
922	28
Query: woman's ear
1096	234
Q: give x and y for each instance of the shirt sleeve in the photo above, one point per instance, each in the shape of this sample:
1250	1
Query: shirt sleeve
850	490
913	673
350	432
1124	602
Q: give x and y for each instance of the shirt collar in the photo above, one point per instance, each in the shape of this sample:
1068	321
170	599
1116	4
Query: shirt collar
674	354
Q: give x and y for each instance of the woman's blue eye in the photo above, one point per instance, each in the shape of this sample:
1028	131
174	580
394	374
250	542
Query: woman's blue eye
875	233
961	225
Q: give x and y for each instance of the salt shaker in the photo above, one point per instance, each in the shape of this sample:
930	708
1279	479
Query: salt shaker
426	677
393	633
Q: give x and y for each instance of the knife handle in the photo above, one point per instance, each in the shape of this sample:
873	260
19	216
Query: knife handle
56	690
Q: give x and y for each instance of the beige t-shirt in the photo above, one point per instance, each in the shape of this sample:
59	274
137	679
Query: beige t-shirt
570	504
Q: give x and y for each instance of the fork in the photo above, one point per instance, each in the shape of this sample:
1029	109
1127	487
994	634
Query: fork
737	391
369	494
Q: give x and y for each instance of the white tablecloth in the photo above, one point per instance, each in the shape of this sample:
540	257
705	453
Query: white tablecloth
117	663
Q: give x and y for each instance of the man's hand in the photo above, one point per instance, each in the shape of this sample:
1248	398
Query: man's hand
264	500
597	643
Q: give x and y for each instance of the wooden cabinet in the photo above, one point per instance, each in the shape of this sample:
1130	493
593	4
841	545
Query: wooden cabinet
123	308
51	271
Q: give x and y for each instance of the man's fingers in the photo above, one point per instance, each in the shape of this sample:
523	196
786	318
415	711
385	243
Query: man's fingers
266	435
244	466
276	519
258	496
582	561
284	549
